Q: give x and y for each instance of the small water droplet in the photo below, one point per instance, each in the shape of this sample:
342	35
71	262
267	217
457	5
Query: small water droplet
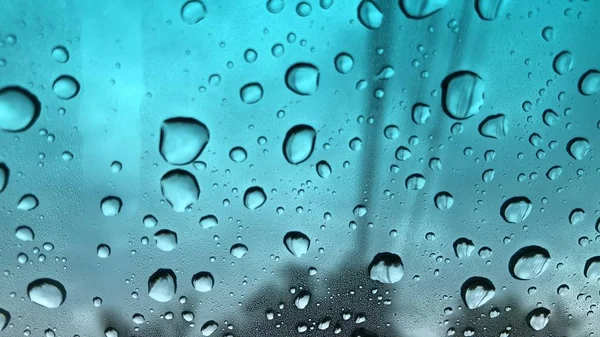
323	169
296	243
111	205
238	250
421	113
103	251
254	197
208	221
548	33
66	87
302	78
344	62
275	6
563	63
60	54
251	93
238	154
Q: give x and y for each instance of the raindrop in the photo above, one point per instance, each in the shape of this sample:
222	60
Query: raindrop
443	201
420	113
296	243
386	268
578	148
463	248
477	291
66	87
576	216
563	63
111	332
208	328
463	94
495	126
589	83
182	140
116	167
180	188
302	78
4	319
554	172
60	54
203	281
251	93
275	6
165	240
562	290
549	117
538	318
491	9
391	132
111	205
19	109
344	63
238	250
187	316
418	9
4	175
488	175
24	233
403	153
238	154
369	14
299	143
326	4
355	144
138	318
47	292
254	197
302	299
250	55
208	221
414	182
162	285
303	9
28	202
103	251
193	12
516	209
592	268
323	169
529	262
548	33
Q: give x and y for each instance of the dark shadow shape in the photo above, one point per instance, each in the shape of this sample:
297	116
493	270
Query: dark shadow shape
525	252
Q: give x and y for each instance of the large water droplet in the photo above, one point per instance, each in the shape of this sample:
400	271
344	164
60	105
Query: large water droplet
28	202
4	175
193	12
238	154
554	172
415	182
578	148
19	109
369	14
418	9
275	6
463	248
302	78
296	243
516	209
299	143
462	95
538	318
208	221
592	268
60	54
238	250
180	188
254	197
443	201
66	87
302	299
548	33
203	281
421	113
323	169
403	153
162	285
344	63
24	233
251	93
103	251
208	328
529	262
111	205
150	221
165	240
563	63
477	291
491	9
589	83
47	292
4	319
495	126
386	268
182	140
576	216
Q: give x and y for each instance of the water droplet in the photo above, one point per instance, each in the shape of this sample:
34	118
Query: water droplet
463	94
187	316
208	328
538	318
495	126
403	153
563	289
193	12
592	268
24	233
578	148
111	332
19	109
254	197
491	9
477	291
418	9
67	156
355	144
238	154
180	188
150	221
529	262
548	33
28	202
414	182
386	268
296	243
250	55
182	140
275	6
488	175
516	209
589	83
420	113
116	167
251	93
303	9
138	318
463	248
60	54
323	169
4	319
302	78
563	63
299	143
576	216
554	172
302	299
165	240
238	250
549	117
47	292
111	205
162	285
203	281
4	176
103	251
443	201
66	87
208	221
369	14
344	63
